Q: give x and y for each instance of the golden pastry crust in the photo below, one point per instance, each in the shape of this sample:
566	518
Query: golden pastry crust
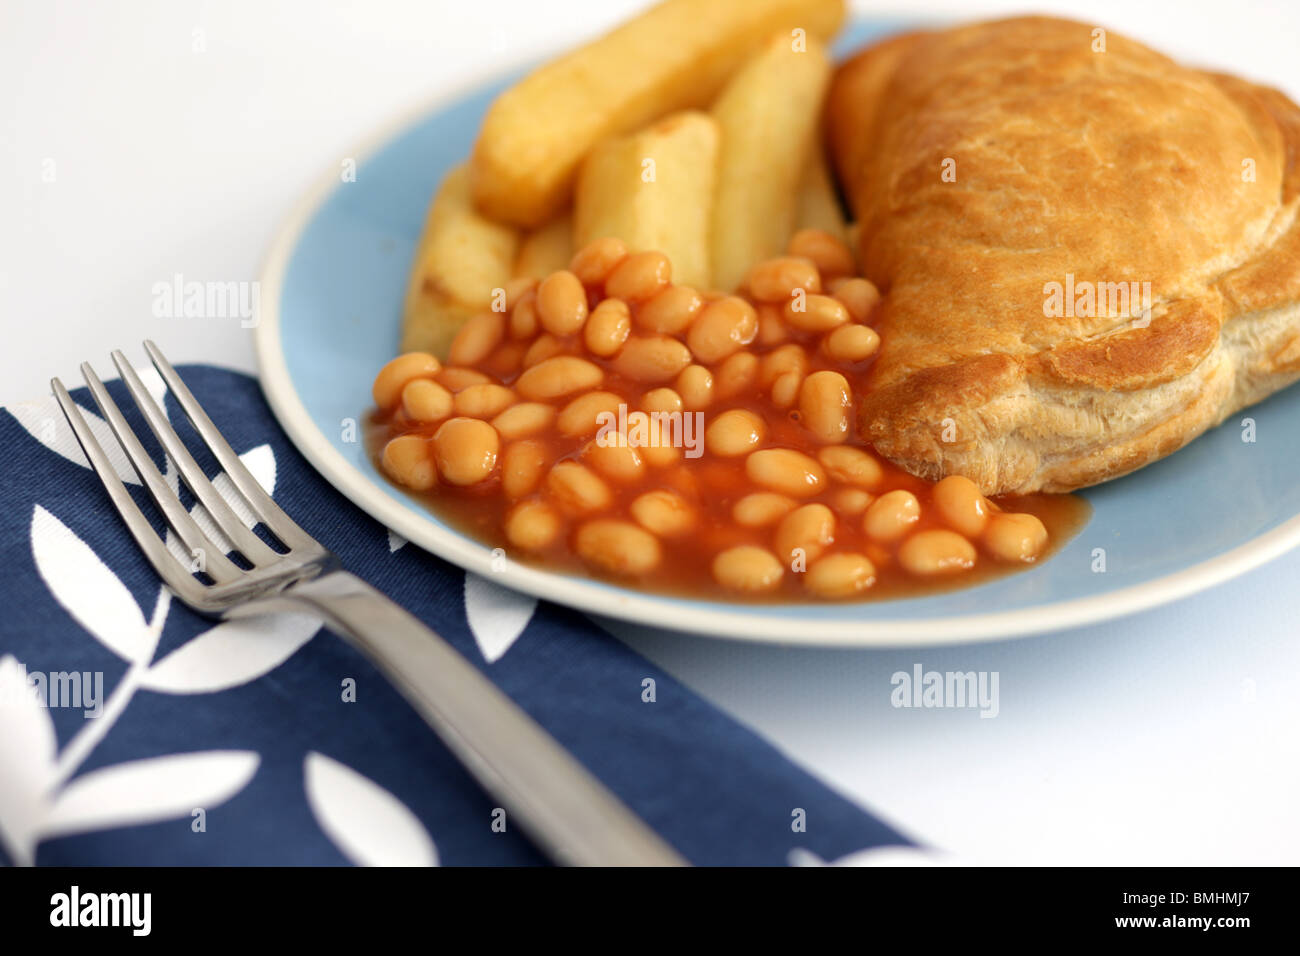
1066	165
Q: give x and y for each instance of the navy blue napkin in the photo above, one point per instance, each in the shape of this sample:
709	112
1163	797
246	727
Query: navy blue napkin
135	732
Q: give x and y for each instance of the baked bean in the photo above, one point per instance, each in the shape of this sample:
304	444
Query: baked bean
721	328
776	279
544	346
880	555
659	450
761	508
747	568
961	505
505	360
533	395
424	400
890	516
392	378
695	385
824	401
1015	537
652	358
735	375
786	389
815	313
671	311
851	343
465	450
533	525
483	401
517	289
840	576
607	328
831	256
618	547
477	338
583	415
561	303
787	358
577	489
597	259
928	553
785	470
859	296
850	501
664	513
809	529
734	432
406	460
640	276
523	317
558	376
853	466
772	329
458	378
524	419
522	464
661	400
612	456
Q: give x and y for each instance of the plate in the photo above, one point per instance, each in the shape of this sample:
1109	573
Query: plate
331	297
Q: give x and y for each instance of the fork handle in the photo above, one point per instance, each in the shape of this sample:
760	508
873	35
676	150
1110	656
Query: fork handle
570	814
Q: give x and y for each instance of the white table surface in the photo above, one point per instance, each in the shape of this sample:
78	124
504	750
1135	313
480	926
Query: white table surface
128	156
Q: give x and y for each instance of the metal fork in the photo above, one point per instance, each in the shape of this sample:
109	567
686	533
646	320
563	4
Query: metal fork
567	812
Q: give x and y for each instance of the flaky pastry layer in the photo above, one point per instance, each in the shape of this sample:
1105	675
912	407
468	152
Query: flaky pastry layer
988	162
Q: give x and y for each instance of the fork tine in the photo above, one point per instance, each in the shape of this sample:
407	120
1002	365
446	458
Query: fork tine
216	564
231	525
281	525
177	576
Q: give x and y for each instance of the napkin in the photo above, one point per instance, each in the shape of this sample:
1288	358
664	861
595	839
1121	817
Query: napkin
136	732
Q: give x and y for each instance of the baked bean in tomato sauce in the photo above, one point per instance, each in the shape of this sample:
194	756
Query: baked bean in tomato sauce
681	440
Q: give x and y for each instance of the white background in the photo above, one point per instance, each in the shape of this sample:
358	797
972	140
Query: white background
1170	737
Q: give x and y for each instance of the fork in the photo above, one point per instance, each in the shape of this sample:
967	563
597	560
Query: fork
569	814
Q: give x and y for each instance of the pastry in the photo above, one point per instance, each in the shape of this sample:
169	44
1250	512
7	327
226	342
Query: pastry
1089	254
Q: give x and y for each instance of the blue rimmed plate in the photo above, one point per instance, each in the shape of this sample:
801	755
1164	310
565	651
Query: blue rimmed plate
331	299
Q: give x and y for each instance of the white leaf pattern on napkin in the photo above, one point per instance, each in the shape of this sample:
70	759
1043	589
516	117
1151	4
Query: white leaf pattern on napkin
44	421
37	801
232	653
368	824
395	541
496	615
87	589
260	462
155	386
144	791
27	746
